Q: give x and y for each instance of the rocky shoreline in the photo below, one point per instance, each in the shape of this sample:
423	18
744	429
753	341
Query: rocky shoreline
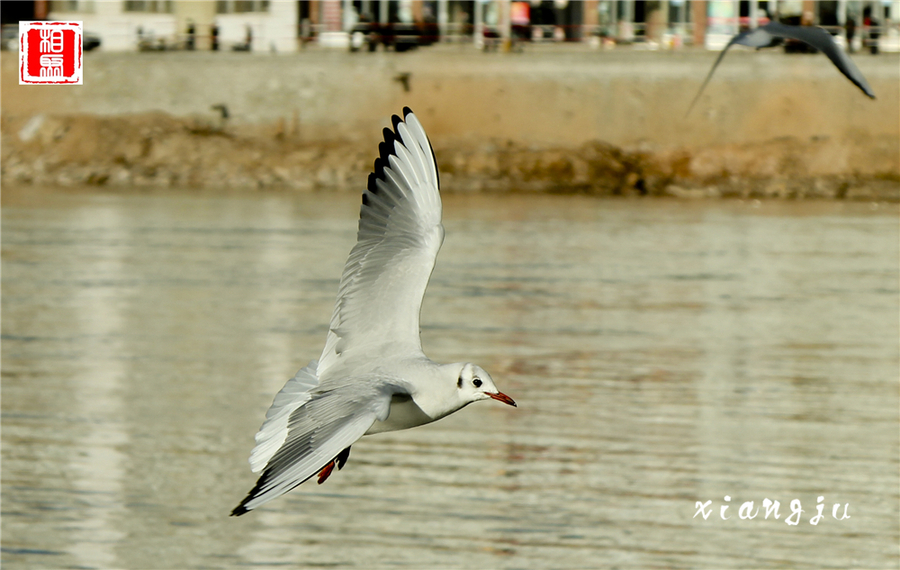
157	150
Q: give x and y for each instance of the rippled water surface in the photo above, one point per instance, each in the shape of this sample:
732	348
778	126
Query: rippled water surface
662	353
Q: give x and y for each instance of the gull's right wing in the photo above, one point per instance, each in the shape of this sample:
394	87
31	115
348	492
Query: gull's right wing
316	432
824	42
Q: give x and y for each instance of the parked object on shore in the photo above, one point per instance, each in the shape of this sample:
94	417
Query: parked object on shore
372	376
774	33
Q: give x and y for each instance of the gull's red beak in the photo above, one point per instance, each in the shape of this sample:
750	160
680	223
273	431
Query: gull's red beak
501	397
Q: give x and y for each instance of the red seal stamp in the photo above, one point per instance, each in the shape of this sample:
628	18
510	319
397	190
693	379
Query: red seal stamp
50	53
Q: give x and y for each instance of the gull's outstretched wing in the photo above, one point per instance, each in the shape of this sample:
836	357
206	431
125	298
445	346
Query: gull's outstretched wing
818	38
753	38
274	430
400	234
824	42
318	429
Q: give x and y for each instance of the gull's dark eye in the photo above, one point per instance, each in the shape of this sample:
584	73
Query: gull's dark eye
477	382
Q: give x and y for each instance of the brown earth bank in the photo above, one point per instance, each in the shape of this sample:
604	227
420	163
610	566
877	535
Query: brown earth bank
157	150
547	120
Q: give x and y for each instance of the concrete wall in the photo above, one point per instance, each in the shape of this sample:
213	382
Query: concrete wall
551	97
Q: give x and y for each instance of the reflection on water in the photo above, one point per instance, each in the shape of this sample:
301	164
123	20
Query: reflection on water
98	468
661	353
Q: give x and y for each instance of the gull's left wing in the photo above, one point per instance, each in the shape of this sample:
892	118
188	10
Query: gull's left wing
769	34
400	234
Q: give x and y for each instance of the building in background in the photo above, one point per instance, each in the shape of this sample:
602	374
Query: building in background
286	25
128	25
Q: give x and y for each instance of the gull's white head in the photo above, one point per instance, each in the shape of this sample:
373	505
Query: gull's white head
475	384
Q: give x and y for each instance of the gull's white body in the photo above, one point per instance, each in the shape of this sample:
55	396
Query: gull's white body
372	375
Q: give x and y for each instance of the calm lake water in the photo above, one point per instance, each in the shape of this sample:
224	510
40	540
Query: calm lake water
661	353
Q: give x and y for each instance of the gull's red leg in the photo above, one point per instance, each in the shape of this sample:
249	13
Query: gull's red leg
326	471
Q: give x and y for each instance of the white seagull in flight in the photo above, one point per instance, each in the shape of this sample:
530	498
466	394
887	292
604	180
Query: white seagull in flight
372	376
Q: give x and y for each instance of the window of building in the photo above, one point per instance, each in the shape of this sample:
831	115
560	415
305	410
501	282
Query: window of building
241	6
72	6
151	6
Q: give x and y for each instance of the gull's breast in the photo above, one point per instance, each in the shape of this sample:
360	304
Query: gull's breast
404	414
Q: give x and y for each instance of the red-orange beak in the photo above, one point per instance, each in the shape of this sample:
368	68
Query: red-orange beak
501	397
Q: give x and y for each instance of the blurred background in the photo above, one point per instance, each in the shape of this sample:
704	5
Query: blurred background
687	308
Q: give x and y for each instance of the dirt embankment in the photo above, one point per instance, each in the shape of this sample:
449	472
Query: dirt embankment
160	151
602	123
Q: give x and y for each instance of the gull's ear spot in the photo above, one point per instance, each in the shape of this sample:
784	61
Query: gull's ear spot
459	382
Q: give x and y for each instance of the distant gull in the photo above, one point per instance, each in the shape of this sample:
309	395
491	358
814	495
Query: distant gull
772	33
372	376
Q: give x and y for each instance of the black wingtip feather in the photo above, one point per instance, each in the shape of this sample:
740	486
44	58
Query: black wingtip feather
387	148
389	138
370	184
241	508
258	490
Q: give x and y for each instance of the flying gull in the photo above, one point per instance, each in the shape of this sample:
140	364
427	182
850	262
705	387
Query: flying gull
372	376
773	33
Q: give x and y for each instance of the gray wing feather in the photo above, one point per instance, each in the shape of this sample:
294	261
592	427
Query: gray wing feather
427	158
318	431
272	433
